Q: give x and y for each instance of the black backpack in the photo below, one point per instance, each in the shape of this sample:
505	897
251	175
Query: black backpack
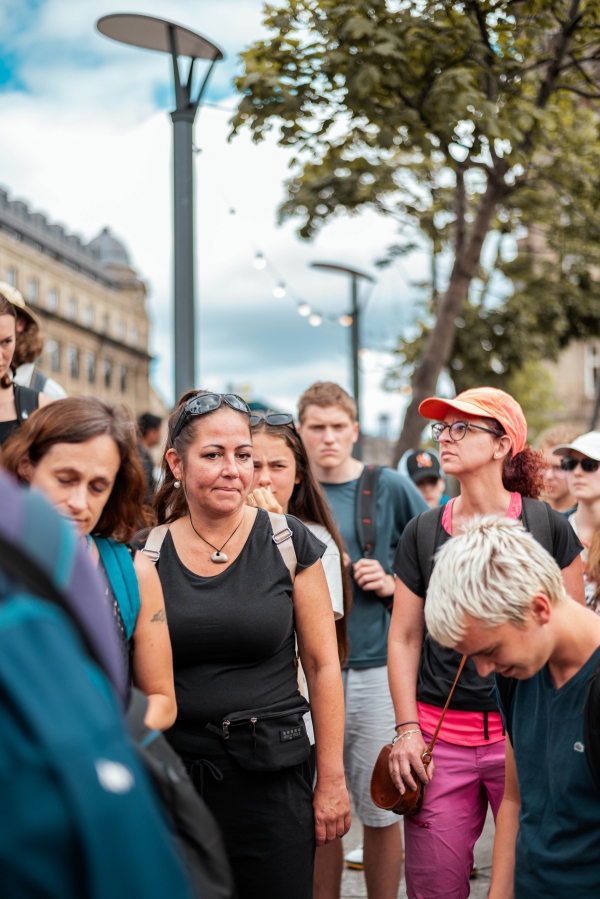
197	831
538	520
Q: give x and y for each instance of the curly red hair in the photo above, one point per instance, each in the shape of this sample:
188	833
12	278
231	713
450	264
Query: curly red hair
522	473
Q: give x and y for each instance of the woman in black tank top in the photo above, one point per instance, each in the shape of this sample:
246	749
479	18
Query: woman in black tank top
233	611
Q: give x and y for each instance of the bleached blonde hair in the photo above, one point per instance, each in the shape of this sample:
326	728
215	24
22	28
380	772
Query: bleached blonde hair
491	572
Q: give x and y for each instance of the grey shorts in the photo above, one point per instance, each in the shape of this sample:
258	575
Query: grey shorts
369	726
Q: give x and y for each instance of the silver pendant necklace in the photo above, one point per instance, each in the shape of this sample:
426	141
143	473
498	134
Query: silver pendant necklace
218	556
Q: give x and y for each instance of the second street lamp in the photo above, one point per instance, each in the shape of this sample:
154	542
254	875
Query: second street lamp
164	36
355	275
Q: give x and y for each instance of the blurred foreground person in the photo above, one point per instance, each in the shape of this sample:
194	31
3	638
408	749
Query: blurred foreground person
424	471
238	587
556	486
498	597
78	817
29	347
82	453
149	436
387	501
284	482
16	402
482	436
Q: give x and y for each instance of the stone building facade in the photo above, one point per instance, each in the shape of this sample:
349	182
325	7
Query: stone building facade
90	302
575	378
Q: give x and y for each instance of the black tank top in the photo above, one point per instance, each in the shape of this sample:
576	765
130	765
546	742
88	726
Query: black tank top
233	634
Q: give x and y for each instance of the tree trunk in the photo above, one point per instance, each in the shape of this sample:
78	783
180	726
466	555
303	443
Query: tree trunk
439	343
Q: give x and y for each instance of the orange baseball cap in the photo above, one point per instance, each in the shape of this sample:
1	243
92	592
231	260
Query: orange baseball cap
488	402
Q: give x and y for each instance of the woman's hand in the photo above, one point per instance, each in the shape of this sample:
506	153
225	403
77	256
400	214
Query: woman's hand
405	752
264	499
332	810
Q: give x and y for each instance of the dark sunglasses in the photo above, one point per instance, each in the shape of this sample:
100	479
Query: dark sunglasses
272	418
570	464
208	402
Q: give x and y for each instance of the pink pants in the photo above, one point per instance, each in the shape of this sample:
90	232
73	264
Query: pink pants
440	839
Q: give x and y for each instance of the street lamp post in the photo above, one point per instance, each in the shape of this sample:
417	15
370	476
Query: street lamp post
355	275
167	37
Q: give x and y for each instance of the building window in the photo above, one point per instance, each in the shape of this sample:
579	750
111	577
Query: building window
120	330
107	372
122	379
52	302
105	323
133	336
11	276
53	352
33	287
88	316
73	361
90	368
72	308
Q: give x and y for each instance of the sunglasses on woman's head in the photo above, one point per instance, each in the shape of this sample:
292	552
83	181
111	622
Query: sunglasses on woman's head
272	418
570	464
208	402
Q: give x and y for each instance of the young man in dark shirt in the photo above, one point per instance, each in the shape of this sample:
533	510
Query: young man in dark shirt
329	429
498	597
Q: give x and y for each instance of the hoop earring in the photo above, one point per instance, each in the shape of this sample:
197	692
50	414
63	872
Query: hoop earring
176	484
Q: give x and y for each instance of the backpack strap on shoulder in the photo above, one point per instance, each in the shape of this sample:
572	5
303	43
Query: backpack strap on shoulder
154	541
27	401
366	509
282	538
429	525
120	571
538	520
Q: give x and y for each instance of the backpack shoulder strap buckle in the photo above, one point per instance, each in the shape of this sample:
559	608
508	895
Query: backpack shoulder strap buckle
154	542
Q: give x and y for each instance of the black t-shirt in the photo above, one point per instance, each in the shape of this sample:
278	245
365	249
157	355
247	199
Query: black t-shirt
439	664
233	633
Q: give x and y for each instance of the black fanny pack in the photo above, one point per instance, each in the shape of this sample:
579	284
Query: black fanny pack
267	739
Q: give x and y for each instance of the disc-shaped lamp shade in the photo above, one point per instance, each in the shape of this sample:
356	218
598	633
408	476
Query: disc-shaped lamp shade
334	267
153	34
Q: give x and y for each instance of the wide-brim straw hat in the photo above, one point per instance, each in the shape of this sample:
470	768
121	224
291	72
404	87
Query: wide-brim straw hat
15	297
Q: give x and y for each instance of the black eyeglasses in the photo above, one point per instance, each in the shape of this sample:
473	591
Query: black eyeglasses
457	430
272	418
208	402
570	464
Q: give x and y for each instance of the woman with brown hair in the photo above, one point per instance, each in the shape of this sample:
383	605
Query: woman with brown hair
238	590
16	402
284	482
83	454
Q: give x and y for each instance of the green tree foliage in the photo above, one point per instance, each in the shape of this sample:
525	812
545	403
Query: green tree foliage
457	118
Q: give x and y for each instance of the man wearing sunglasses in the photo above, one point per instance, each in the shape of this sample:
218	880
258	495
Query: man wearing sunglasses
580	460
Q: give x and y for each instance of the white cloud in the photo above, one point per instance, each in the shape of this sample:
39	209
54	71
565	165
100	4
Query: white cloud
86	146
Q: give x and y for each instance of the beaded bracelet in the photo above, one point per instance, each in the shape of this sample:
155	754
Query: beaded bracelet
402	723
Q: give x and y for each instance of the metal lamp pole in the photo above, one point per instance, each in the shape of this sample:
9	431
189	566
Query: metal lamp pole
355	275
167	37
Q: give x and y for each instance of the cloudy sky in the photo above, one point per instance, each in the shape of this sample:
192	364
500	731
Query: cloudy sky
86	139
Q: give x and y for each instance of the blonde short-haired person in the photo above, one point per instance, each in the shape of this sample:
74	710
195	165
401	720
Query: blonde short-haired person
498	597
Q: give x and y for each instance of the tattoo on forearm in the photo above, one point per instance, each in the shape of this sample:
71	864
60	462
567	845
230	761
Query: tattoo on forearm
159	616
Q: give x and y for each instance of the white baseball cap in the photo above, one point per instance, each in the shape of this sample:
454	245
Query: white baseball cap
588	444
